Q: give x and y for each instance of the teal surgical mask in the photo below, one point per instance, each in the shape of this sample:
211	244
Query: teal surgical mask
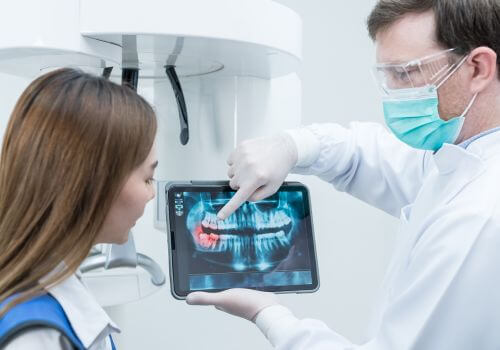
413	116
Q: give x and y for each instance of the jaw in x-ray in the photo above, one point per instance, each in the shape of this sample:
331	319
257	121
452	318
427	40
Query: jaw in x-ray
258	236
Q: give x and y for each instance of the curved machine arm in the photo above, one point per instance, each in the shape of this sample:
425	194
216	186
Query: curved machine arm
181	103
124	255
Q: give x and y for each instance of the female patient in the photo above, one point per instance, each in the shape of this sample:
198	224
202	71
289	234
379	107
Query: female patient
76	169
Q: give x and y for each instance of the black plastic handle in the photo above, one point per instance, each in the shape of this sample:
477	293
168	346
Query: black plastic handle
106	72
130	77
181	103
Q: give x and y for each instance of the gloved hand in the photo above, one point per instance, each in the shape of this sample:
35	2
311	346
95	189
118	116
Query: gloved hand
245	303
257	168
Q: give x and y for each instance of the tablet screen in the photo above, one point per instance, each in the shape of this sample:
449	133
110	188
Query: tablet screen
266	245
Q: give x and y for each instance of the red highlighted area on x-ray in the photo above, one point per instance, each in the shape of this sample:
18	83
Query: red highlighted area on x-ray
206	240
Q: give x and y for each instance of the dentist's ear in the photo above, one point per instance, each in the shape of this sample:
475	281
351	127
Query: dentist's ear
483	62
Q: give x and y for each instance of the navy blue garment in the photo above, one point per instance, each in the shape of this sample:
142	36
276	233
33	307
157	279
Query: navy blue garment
44	311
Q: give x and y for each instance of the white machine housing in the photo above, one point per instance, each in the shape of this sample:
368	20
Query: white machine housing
237	62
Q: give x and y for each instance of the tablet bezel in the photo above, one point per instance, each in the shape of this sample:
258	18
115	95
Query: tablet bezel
223	186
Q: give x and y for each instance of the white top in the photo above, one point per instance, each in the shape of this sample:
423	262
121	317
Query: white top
441	287
89	321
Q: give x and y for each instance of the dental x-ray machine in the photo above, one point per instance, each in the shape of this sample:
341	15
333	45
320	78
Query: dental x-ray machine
217	72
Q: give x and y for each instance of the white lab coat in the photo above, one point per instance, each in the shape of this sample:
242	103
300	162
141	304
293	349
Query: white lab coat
442	288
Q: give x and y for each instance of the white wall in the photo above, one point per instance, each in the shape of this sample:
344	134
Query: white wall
354	241
11	88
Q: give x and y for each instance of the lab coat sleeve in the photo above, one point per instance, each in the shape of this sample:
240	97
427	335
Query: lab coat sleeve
364	160
446	296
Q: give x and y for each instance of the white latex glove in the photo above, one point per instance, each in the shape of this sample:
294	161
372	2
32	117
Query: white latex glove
257	168
245	303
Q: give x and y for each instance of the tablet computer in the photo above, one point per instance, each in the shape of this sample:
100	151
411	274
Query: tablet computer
266	245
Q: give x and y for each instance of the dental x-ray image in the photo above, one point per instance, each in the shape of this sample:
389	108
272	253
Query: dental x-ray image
264	243
258	236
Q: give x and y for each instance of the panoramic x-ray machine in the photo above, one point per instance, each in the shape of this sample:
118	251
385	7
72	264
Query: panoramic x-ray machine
217	72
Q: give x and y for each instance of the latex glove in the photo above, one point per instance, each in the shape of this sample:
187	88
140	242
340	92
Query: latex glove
257	168
245	303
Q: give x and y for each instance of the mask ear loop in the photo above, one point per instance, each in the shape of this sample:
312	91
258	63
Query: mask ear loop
462	117
469	106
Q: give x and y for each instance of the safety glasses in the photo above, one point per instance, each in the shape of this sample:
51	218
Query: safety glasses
395	79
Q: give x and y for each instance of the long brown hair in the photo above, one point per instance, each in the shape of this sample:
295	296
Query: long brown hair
71	142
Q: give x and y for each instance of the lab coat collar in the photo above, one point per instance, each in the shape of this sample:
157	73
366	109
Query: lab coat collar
452	157
87	317
486	146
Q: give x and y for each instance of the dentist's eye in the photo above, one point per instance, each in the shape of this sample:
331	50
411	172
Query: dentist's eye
150	181
402	76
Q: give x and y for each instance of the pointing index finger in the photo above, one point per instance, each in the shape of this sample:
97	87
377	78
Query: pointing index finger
234	203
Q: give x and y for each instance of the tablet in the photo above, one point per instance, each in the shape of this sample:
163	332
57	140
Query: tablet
266	245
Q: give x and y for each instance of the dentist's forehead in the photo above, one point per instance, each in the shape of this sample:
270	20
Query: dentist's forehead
411	37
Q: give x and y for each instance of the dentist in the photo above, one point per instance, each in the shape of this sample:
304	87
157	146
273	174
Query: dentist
439	171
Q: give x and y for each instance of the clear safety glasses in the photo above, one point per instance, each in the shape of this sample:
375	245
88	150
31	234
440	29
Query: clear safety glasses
395	79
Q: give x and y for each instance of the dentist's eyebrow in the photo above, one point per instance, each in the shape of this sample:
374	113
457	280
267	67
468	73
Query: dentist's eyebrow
154	165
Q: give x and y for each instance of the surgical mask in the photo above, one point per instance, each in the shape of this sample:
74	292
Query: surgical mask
413	116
